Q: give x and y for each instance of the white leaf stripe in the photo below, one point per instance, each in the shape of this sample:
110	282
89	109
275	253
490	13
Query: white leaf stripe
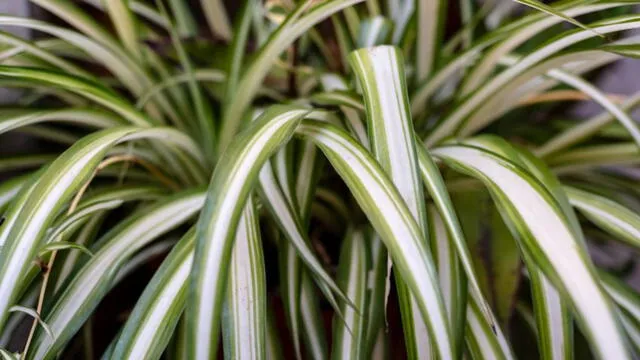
554	324
159	306
376	280
88	287
475	101
480	339
83	116
551	243
450	276
53	188
25	228
437	189
293	27
229	188
311	319
430	19
607	214
380	72
517	35
309	166
389	216
113	58
244	319
555	329
80	86
352	272
291	226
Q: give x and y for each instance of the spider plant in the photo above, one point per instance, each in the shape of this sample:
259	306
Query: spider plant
305	159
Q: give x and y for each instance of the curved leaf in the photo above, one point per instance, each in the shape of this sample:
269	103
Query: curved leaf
348	334
552	243
94	279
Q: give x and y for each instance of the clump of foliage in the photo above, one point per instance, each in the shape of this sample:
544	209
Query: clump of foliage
359	155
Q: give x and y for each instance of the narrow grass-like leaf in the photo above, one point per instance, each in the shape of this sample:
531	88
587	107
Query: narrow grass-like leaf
628	50
239	45
550	10
308	169
103	48
94	279
100	201
217	18
584	86
185	23
160	306
554	323
481	338
6	355
22	46
593	156
437	189
80	214
457	117
390	217
376	293
530	26
230	185
245	318
58	183
34	314
607	214
206	130
452	282
294	26
583	130
291	225
201	75
83	87
125	25
381	76
63	245
290	273
552	244
85	236
374	31
26	226
348	333
430	20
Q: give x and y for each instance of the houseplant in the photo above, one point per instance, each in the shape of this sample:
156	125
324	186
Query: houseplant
347	135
